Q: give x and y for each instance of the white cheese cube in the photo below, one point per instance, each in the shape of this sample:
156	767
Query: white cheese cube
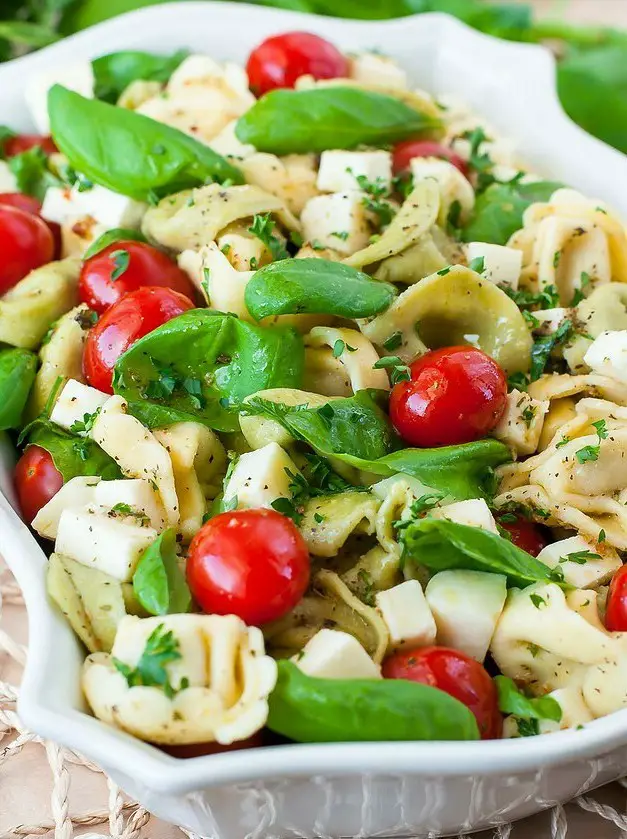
466	606
607	355
580	570
373	70
78	77
502	265
74	402
549	320
407	615
453	186
8	181
332	654
77	492
337	221
260	477
339	170
133	496
474	513
522	422
108	208
97	539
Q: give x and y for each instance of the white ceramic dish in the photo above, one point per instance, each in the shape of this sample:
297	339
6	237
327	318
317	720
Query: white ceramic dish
364	789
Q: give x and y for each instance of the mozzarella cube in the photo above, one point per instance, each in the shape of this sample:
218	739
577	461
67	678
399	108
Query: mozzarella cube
522	422
78	77
607	355
332	654
94	537
466	606
74	402
581	571
8	181
407	615
133	496
502	265
549	320
339	170
108	208
373	70
77	492
227	144
260	477
474	513
337	221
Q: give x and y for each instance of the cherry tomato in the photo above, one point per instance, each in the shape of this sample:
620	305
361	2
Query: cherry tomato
132	317
455	395
616	609
126	266
404	153
19	201
201	749
250	563
37	479
26	242
24	142
525	534
456	674
282	59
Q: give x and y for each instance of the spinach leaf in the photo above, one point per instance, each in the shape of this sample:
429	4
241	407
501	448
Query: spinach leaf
544	345
158	582
311	710
498	212
115	71
439	545
512	701
32	173
118	234
72	455
202	364
17	374
294	121
316	286
128	152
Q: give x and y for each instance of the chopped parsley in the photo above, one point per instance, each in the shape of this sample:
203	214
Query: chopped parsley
528	415
287	508
398	371
545	344
206	276
444	271
601	537
419	508
479	161
85	425
341	234
584	283
296	239
477	264
591	452
394	341
579	557
453	219
121	261
161	649
367	587
517	381
547	298
340	346
528	728
565	439
263	227
537	601
374	199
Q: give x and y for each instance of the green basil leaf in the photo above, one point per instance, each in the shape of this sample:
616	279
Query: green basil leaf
201	365
315	286
27	34
296	121
512	701
17	373
118	234
72	455
158	582
115	71
128	152
439	544
498	212
311	710
32	173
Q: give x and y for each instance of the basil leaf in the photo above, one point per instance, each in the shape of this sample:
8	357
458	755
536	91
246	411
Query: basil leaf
32	173
296	121
311	710
118	234
115	71
17	373
512	701
128	152
72	455
498	212
27	34
158	582
439	545
316	286
202	364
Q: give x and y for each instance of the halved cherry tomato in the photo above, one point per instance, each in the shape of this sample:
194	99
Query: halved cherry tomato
37	480
456	674
525	534
616	608
132	317
250	563
404	153
26	242
201	749
31	205
280	60
455	395
24	142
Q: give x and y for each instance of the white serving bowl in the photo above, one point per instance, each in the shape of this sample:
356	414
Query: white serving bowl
356	789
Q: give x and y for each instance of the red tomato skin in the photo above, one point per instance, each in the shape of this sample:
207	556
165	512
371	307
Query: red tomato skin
147	266
456	674
616	609
279	61
404	153
249	563
132	317
455	395
26	243
31	205
37	480
24	142
525	534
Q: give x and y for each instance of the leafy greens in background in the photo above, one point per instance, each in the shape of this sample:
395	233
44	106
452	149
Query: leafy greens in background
592	70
